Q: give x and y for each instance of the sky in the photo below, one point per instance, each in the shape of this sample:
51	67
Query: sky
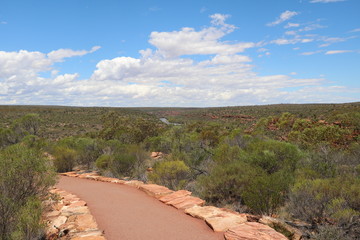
197	53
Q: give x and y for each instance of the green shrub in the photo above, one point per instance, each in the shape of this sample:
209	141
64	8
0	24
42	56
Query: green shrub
25	176
65	159
104	161
172	174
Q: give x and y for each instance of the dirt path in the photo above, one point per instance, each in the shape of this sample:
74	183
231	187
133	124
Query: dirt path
125	213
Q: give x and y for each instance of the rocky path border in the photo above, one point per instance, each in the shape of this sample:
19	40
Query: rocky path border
235	226
70	218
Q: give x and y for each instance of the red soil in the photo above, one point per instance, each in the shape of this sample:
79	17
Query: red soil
126	213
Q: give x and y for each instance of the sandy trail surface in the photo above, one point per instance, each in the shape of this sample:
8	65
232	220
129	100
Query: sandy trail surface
126	213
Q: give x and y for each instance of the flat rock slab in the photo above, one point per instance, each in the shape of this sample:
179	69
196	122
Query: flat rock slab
174	195
154	190
186	202
89	238
134	183
218	219
225	221
85	222
203	212
253	231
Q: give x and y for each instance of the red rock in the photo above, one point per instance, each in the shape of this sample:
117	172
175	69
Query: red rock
118	181
57	222
78	204
186	202
92	233
154	154
220	220
69	211
89	238
105	179
225	221
203	212
53	214
174	195
155	190
253	231
85	222
134	183
69	174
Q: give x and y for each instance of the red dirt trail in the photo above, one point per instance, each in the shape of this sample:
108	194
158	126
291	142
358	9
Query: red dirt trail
126	213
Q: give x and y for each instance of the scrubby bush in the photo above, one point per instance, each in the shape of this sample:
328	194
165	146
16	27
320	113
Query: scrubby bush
172	174
317	200
259	175
64	159
25	176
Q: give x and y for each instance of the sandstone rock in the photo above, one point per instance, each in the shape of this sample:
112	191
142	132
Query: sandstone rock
134	183
69	174
155	190
218	219
91	177
118	181
224	221
92	233
174	195
68	211
52	233
77	204
186	202
253	231
288	230
203	212
156	154
85	222
53	214
57	222
89	238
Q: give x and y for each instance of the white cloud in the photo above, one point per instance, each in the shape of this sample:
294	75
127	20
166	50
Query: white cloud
296	39
188	41
60	54
337	52
283	17
170	74
290	32
355	30
326	1
311	27
310	53
290	25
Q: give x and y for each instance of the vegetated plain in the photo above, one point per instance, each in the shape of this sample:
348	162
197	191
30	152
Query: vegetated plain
298	162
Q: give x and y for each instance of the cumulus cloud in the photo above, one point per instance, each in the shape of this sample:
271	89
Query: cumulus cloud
188	41
167	74
283	17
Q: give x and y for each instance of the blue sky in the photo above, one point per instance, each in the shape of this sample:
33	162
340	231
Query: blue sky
179	53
